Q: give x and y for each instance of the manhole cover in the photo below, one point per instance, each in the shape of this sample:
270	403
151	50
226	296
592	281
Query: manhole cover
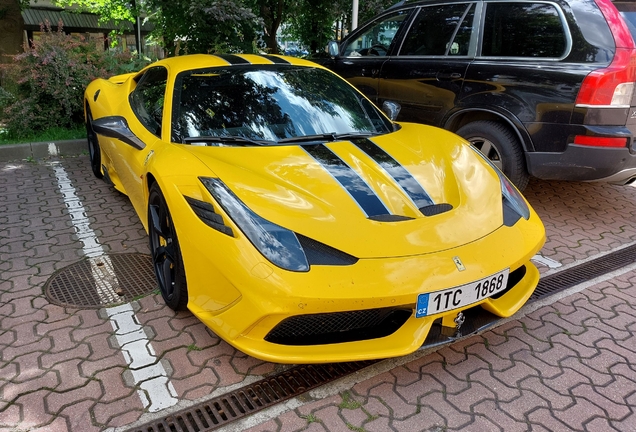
106	280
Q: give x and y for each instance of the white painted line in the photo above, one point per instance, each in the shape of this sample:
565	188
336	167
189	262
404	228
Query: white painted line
85	234
155	390
147	372
53	150
548	262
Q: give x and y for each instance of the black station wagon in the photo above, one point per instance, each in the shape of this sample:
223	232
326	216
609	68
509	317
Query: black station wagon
543	88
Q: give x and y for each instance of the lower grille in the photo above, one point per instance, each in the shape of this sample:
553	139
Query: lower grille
338	327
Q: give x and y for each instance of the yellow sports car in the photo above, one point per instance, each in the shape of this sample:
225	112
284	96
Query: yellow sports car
298	221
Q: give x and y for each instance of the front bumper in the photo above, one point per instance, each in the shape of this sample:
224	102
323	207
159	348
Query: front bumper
265	296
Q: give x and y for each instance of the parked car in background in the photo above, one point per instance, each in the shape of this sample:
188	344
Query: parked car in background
543	88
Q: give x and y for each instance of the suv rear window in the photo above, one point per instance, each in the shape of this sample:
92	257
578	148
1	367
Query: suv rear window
523	30
628	12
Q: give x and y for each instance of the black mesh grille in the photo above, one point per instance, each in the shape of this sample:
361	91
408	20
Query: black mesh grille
390	218
337	327
320	254
436	209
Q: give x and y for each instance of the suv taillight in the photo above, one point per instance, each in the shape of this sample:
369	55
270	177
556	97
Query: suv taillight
614	85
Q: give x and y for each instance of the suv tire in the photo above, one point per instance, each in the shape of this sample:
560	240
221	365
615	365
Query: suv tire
499	144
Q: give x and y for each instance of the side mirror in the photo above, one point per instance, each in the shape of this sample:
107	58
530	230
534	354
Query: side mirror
117	127
333	49
391	109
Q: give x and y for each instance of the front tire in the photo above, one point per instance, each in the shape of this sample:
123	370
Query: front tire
166	254
500	145
94	152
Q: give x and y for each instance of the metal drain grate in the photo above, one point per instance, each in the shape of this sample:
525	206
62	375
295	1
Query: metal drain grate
254	397
103	281
584	272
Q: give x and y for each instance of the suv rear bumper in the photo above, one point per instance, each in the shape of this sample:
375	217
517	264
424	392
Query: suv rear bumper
584	163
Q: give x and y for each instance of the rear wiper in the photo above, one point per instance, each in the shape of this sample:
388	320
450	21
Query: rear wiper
325	137
231	139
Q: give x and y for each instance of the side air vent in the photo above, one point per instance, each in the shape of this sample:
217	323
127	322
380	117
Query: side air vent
320	254
435	209
206	213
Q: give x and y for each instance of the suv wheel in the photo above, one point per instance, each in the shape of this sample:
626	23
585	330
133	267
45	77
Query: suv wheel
500	146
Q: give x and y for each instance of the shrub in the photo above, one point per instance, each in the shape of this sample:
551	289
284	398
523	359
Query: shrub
47	81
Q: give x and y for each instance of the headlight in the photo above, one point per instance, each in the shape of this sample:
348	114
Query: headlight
514	205
279	245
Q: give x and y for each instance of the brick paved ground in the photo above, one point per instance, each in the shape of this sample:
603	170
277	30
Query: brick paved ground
565	366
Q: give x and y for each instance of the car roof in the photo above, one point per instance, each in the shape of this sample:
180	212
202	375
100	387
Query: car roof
200	61
423	2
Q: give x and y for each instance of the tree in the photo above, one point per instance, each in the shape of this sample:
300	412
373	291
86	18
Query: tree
183	26
370	8
311	22
204	26
273	13
117	12
11	24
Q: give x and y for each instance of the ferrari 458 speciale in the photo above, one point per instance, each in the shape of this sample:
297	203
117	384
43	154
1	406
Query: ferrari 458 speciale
297	220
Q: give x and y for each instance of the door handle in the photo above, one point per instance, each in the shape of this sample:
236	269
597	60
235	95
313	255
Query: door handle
445	75
373	73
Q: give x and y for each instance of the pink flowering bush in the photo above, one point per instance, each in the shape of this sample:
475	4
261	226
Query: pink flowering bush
46	83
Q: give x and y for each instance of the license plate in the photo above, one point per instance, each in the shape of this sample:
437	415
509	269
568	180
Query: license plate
460	296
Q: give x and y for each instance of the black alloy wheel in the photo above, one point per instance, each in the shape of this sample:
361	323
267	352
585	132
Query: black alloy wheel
94	152
166	255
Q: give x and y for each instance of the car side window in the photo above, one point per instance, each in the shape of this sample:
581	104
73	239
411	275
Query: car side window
523	30
440	30
147	99
377	39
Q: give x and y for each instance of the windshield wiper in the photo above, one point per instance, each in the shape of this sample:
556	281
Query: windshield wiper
231	139
325	137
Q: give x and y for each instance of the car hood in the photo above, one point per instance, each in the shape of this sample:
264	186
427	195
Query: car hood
364	201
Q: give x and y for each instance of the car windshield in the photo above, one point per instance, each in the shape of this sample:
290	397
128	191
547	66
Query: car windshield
265	105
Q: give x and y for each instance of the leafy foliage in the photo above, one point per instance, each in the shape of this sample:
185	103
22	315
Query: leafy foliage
370	8
273	13
46	83
115	11
205	26
222	26
311	23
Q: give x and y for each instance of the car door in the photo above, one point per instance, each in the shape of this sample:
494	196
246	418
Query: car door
147	105
427	74
528	78
363	52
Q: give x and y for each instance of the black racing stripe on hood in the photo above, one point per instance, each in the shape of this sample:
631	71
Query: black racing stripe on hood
276	60
405	179
233	59
350	180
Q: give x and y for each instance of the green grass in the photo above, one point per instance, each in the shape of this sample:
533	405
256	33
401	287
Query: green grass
53	134
348	402
311	418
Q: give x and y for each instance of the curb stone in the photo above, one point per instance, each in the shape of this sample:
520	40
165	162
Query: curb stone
40	150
